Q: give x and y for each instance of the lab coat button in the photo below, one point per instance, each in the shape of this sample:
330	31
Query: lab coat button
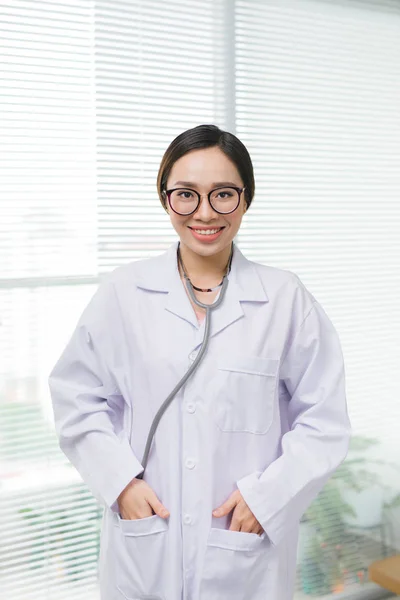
191	408
190	463
187	519
192	355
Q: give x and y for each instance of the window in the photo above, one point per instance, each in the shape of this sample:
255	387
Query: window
316	105
93	92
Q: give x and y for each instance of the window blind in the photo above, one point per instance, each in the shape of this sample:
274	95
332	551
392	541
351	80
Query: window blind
92	94
159	71
48	263
317	105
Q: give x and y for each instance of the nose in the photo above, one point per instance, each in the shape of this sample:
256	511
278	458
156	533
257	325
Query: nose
205	212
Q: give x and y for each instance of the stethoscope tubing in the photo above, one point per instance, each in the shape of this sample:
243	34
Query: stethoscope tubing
209	308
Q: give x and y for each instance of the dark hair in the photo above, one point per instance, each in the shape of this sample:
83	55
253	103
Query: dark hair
207	136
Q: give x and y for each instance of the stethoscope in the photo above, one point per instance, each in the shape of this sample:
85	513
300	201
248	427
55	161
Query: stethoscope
209	307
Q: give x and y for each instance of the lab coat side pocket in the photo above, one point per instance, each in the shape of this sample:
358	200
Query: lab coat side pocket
236	566
139	554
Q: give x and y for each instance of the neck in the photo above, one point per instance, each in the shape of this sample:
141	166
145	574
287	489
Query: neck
205	268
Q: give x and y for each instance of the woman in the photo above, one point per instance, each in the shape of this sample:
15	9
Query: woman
256	430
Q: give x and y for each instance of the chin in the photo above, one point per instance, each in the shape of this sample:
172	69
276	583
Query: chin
206	249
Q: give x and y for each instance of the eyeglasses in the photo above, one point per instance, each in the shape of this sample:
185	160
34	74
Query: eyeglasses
184	201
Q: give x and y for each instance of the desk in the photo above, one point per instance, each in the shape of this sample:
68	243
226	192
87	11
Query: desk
386	573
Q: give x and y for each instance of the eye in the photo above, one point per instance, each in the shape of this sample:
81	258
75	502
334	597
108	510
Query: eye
185	194
224	194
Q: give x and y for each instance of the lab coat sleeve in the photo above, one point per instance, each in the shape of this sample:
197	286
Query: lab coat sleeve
313	374
80	386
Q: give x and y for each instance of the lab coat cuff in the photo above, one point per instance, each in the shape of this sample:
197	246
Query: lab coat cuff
253	492
126	468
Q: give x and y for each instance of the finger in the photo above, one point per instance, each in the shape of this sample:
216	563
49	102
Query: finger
257	530
138	512
249	525
227	506
137	507
156	505
247	528
235	524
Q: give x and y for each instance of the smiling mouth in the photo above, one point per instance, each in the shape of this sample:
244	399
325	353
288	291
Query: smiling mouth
209	231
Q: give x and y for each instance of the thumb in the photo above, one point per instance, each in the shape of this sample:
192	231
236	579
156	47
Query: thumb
226	507
157	506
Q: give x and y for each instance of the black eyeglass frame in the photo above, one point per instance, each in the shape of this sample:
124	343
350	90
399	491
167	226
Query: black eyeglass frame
224	187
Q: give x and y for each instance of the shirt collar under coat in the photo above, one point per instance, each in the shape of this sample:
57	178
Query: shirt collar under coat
161	274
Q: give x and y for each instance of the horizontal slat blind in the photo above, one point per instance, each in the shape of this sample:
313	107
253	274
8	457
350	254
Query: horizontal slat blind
318	106
48	237
48	520
92	93
159	71
48	205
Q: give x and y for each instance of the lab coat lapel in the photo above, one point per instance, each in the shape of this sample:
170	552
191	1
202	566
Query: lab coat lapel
179	304
162	274
244	286
229	311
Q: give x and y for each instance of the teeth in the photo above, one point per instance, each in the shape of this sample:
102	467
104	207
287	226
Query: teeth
207	231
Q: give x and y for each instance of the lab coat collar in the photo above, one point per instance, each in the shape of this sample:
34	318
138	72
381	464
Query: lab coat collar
161	274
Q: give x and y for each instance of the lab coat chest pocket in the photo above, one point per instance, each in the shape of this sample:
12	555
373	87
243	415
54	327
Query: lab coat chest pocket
139	555
245	388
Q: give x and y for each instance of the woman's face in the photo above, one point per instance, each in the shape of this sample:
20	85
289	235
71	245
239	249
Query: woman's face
204	170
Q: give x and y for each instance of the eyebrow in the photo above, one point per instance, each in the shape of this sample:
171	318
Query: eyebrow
215	184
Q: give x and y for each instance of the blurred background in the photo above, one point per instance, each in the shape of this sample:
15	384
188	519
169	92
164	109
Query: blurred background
92	93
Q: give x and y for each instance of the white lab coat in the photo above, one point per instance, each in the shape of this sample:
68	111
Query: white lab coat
265	412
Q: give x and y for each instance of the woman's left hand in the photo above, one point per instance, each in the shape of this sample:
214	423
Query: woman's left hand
242	518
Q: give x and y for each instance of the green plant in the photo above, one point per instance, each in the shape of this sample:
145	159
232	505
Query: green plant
330	551
326	555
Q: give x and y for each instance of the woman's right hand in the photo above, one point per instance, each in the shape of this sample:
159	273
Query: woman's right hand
138	501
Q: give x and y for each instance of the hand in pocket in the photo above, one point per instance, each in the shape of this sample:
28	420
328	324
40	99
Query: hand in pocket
138	501
242	517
